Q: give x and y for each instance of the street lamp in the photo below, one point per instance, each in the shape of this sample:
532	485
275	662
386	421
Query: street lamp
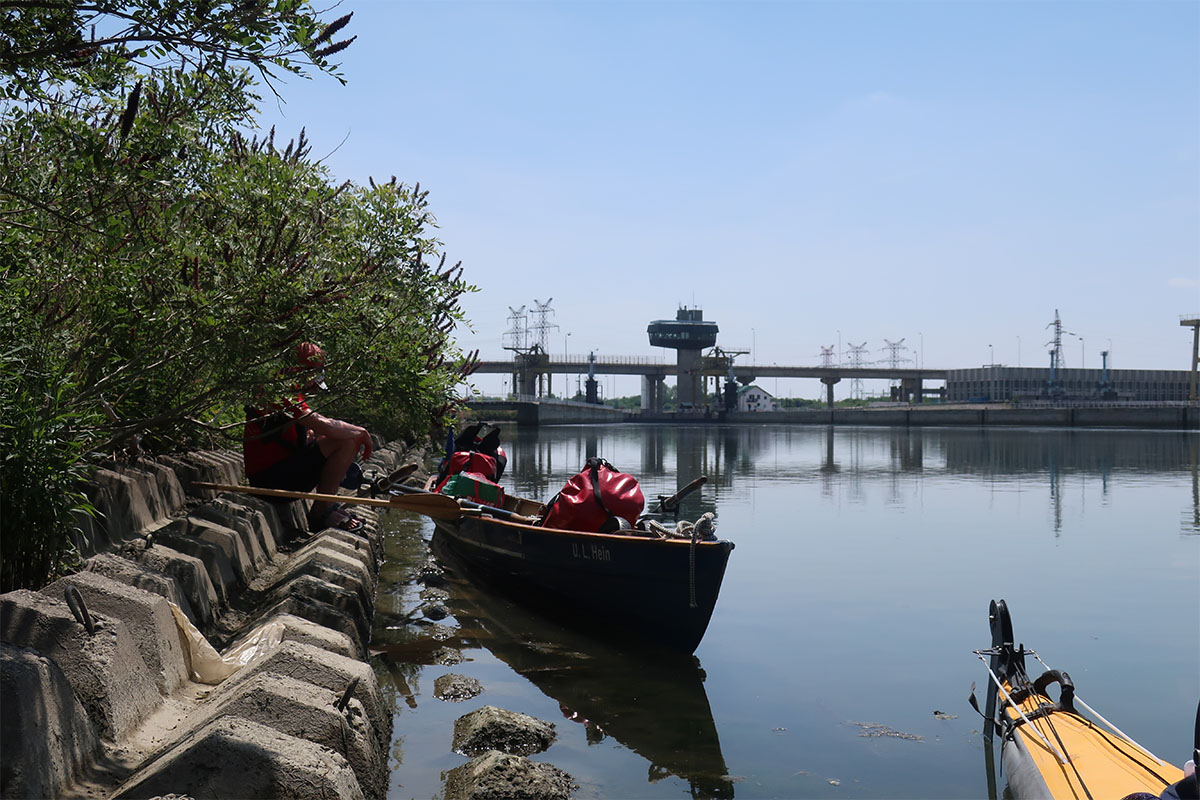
921	362
991	356
565	338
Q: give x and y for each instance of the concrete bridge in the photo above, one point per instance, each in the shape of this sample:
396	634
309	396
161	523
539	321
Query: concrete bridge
528	370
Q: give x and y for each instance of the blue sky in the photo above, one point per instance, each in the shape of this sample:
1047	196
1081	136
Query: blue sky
949	173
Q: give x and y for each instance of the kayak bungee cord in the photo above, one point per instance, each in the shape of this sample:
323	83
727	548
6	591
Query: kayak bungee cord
1101	718
1044	713
1112	742
1008	699
1063	759
1071	761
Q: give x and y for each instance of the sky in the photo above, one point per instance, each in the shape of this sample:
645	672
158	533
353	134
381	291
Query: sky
809	174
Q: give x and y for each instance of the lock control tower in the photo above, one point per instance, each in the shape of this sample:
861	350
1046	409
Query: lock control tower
688	334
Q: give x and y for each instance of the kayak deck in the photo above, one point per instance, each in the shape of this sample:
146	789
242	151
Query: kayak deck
1050	749
1098	761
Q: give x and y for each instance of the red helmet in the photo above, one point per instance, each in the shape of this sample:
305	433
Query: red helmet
309	355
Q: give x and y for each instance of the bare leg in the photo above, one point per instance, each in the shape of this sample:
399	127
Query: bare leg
339	455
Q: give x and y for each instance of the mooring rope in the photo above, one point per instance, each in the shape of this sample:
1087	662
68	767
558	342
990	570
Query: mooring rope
702	529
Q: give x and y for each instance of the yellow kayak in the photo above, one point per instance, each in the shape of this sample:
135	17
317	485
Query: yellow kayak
1050	749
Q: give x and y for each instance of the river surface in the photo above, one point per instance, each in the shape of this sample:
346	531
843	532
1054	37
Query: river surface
838	662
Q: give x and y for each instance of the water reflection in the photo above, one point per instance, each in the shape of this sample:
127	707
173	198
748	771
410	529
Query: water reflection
650	701
851	457
1191	516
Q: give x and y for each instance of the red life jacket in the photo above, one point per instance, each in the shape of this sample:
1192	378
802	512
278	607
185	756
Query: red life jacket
595	499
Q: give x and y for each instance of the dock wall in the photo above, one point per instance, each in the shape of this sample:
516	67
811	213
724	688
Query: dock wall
1162	417
106	693
550	413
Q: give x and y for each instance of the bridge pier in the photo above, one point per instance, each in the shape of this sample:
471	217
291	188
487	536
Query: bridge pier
829	382
652	393
911	390
526	381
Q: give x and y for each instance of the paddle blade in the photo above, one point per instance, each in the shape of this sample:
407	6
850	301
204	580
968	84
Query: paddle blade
437	506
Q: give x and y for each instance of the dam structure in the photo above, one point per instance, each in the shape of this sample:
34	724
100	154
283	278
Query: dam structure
689	334
698	359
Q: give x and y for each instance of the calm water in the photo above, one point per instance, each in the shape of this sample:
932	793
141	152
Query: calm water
865	562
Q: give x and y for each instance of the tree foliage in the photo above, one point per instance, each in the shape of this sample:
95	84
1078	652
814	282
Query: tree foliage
46	43
158	264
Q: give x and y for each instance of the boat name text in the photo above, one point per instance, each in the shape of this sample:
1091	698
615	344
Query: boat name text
590	552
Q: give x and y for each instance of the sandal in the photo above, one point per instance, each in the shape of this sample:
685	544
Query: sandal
339	518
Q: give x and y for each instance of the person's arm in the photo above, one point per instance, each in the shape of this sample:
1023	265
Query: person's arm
336	429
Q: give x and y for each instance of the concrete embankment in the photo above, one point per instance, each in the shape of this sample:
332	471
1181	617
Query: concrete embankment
123	680
1150	417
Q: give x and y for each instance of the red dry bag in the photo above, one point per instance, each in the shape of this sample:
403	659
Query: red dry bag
595	500
468	461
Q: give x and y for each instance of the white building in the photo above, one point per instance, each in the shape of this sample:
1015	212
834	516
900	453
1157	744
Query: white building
752	398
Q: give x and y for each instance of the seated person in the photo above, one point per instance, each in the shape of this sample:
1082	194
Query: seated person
287	445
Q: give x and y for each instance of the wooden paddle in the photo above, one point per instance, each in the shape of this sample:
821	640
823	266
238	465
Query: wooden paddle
672	503
438	506
469	506
386	482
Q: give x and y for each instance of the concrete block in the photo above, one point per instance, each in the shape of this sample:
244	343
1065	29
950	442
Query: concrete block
350	544
321	614
109	528
192	578
88	534
152	493
298	629
216	563
368	539
45	735
234	757
105	669
286	518
185	471
252	520
231	541
147	616
336	567
143	577
169	489
325	669
219	464
234	463
308	712
344	600
125	506
200	466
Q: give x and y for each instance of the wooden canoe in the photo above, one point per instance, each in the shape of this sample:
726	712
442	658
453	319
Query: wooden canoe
663	590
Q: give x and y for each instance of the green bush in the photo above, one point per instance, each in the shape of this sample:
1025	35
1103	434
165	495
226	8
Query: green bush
43	469
158	265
